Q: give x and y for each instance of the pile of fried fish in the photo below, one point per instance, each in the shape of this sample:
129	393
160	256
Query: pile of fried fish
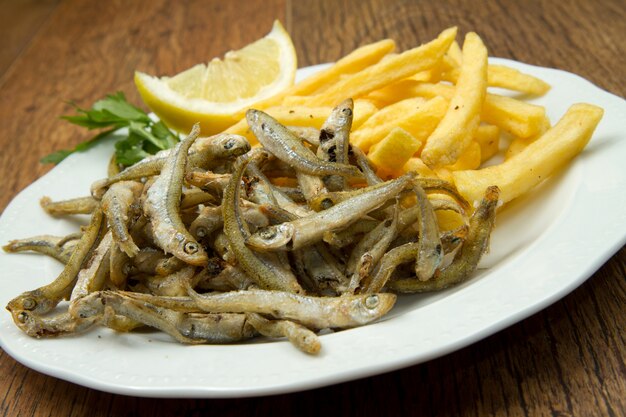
216	241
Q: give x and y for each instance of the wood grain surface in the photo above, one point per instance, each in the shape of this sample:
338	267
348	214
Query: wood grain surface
567	360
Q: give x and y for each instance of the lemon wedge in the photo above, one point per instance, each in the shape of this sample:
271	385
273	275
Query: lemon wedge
216	94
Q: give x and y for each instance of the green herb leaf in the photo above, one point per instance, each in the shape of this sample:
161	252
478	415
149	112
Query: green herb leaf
55	157
145	137
130	151
115	108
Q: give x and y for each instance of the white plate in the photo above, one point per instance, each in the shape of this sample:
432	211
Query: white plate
544	246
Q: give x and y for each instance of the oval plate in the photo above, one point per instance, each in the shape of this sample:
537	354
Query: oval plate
544	246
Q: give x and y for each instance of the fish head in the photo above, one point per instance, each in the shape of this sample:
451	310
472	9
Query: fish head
323	202
28	322
98	188
34	301
263	125
272	237
189	250
232	145
253	117
370	307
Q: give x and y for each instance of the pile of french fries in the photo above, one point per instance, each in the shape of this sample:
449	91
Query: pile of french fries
427	110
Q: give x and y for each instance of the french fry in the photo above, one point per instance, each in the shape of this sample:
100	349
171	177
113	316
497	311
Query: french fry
470	159
512	79
488	137
449	220
416	116
506	77
537	161
415	164
517	117
398	91
387	71
518	144
390	154
455	55
355	61
454	134
304	116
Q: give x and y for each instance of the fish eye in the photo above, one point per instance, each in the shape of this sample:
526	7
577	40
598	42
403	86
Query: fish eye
371	302
326	203
190	248
201	231
267	233
29	303
22	317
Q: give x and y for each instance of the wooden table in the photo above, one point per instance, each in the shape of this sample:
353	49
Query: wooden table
565	360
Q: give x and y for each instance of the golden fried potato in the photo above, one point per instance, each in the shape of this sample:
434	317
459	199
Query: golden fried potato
416	116
390	154
456	130
512	79
355	61
387	71
537	161
415	164
506	77
518	144
514	116
488	137
470	159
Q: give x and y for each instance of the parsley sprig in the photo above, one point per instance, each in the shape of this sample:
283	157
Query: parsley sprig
144	136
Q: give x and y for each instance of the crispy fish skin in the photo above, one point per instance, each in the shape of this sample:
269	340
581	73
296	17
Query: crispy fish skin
57	325
334	141
45	298
265	273
370	249
92	277
80	205
301	337
468	256
59	248
313	312
286	146
206	151
388	263
188	328
118	206
430	253
162	207
306	230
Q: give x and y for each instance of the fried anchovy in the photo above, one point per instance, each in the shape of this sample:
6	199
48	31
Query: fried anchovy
162	207
303	231
286	146
266	274
467	258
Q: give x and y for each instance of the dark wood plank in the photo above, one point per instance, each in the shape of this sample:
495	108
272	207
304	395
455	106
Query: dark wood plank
564	35
566	360
20	20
